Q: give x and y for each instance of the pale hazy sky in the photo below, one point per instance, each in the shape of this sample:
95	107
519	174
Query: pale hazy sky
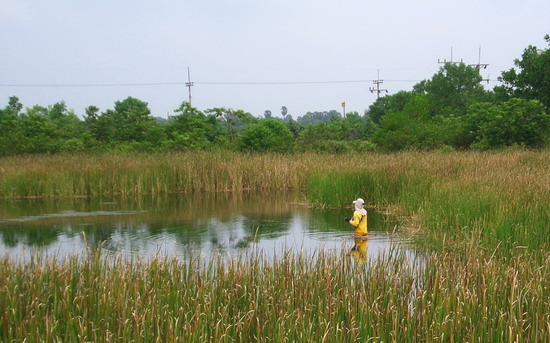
71	42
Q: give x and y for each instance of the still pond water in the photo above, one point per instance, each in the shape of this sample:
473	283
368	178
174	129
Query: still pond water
177	225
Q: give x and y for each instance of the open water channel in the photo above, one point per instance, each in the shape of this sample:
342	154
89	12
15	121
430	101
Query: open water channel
177	225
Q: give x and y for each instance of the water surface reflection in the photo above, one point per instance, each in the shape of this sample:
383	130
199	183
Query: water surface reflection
230	223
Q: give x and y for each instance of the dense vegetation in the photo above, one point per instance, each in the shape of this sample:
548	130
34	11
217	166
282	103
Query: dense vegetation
293	298
451	111
483	276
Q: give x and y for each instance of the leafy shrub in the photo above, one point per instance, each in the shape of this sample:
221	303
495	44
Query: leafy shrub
267	135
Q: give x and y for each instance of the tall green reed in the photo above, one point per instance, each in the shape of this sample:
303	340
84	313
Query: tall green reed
294	297
500	199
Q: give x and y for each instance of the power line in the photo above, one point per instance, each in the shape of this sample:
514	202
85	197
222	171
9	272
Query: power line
50	85
283	82
299	82
53	85
206	83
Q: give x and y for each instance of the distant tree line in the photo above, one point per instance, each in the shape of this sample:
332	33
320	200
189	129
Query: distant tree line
451	111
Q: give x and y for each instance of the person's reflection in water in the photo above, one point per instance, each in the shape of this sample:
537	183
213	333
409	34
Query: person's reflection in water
359	251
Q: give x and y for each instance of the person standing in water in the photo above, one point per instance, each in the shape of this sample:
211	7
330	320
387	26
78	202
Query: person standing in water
359	220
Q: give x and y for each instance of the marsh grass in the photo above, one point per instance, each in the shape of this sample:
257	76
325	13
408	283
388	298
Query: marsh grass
294	297
136	174
486	277
501	198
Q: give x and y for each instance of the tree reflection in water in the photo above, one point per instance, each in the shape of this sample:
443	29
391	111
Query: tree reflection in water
171	224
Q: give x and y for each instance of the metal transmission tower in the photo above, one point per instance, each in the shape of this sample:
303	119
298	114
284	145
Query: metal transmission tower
377	82
189	84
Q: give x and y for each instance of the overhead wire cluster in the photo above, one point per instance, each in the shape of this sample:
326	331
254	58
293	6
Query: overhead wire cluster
188	83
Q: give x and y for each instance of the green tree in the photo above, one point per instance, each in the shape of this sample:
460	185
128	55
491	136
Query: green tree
92	125
293	126
39	133
132	118
388	104
336	136
266	135
452	89
10	135
311	118
101	125
396	132
14	107
234	121
532	79
129	126
193	130
314	134
58	110
71	131
514	122
399	131
415	127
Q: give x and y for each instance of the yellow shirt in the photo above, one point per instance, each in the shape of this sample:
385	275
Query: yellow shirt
359	222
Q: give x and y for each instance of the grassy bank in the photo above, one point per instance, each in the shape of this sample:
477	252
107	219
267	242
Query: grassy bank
497	199
295	298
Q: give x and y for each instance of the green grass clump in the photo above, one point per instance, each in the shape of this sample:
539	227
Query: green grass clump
323	297
498	199
376	187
